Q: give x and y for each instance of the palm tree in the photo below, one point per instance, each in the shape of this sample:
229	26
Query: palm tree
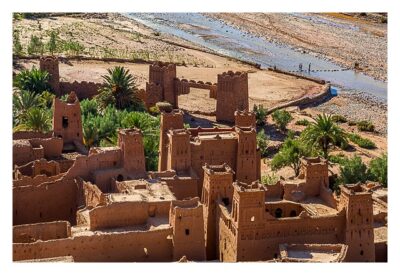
33	80
90	135
22	102
36	119
119	89
322	133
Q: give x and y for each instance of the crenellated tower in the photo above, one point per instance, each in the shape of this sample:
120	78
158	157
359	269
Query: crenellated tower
359	236
217	186
248	163
232	95
162	79
169	120
245	119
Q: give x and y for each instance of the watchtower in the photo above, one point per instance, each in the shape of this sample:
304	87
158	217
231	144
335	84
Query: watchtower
50	64
164	74
232	95
359	235
315	173
67	121
217	185
247	165
186	219
169	120
131	143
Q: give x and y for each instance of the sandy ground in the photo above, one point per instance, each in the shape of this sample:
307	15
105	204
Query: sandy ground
330	36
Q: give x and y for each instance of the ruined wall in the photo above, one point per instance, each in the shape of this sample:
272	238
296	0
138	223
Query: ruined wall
182	86
50	64
30	233
118	214
153	94
35	181
93	195
23	152
274	191
182	187
232	95
133	246
83	89
186	219
42	166
49	201
30	135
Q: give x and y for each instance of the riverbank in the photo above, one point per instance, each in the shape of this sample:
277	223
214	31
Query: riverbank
346	40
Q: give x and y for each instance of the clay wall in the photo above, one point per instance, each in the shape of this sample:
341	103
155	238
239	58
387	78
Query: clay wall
186	219
49	201
153	94
30	233
118	214
232	95
196	131
226	236
274	191
30	135
133	246
182	86
93	195
179	151
23	152
83	89
131	143
381	252
165	74
287	209
214	152
42	166
183	187
23	180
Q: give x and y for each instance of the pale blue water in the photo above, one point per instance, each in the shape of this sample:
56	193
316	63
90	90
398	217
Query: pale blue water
216	35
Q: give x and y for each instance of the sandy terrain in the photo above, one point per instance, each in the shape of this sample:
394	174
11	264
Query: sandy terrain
330	36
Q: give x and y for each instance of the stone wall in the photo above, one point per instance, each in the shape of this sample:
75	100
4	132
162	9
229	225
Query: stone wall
83	89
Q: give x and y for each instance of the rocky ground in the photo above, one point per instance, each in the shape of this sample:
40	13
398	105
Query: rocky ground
345	39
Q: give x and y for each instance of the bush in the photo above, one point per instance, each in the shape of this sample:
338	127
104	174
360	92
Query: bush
352	123
303	122
339	159
365	126
353	170
260	113
17	46
270	179
362	142
72	47
34	80
339	119
52	44
262	143
164	107
281	118
378	170
35	46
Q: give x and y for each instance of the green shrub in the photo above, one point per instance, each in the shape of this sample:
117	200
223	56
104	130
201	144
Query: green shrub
270	179
339	159
281	118
17	46
362	142
34	80
366	126
378	170
260	113
262	143
52	44
339	119
353	170
35	46
72	47
164	107
303	122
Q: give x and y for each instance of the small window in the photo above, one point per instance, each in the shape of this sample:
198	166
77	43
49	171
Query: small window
120	177
278	213
187	232
65	122
362	252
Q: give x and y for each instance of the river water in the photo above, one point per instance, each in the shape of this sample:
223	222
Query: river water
230	41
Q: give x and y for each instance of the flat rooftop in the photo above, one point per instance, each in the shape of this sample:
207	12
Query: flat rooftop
142	190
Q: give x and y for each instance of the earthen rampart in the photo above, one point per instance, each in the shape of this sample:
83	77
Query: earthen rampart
30	233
